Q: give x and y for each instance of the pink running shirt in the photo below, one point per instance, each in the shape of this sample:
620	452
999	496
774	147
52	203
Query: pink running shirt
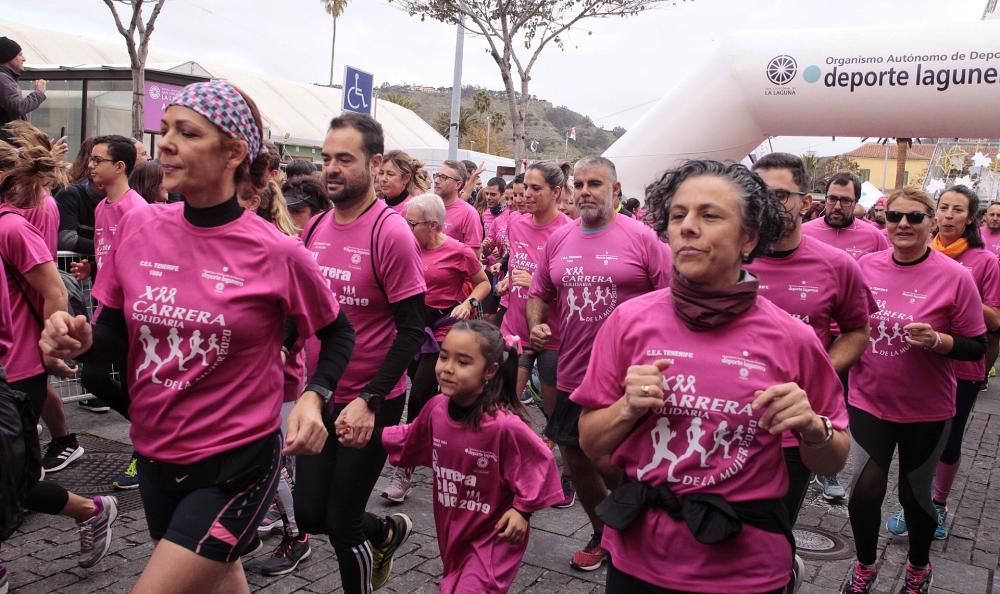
585	276
857	239
448	268
479	474
6	337
706	439
895	381
45	218
23	248
461	221
106	219
527	248
985	269
205	310
992	240
344	254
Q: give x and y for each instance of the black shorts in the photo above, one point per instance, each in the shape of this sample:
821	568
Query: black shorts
212	507
546	365
563	427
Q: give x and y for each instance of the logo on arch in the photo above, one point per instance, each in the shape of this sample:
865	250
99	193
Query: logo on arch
781	69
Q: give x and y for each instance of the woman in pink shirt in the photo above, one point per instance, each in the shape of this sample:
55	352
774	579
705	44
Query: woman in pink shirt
491	471
689	390
400	178
448	265
901	392
958	238
544	185
195	310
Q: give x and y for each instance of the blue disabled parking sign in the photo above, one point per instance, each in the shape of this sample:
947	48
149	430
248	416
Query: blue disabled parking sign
358	86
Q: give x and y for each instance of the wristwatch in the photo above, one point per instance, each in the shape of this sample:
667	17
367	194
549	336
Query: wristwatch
827	438
473	302
324	393
374	401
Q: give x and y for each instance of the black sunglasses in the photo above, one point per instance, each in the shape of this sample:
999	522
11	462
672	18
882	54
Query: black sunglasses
913	218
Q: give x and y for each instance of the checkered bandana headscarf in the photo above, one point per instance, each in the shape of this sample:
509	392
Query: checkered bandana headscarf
223	105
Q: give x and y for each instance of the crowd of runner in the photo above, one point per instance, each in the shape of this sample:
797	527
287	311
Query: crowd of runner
265	327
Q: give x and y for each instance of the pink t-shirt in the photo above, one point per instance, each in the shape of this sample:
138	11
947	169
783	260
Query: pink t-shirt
206	310
585	276
106	219
401	207
857	239
45	218
527	249
23	247
461	221
294	374
894	380
448	268
706	439
488	217
479	474
6	337
985	269
992	240
344	254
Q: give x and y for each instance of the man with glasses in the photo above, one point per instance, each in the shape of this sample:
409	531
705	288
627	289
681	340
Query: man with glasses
817	284
838	226
462	220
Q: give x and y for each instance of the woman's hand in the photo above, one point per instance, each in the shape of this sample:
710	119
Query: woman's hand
520	278
512	526
80	270
66	337
503	287
306	432
644	388
355	424
462	311
487	246
788	409
922	335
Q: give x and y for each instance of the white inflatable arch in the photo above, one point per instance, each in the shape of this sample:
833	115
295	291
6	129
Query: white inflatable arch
901	82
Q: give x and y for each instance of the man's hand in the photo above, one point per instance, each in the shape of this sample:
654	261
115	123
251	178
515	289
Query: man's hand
66	337
40	85
306	432
540	334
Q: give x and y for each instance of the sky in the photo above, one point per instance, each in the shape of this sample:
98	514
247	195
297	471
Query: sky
612	70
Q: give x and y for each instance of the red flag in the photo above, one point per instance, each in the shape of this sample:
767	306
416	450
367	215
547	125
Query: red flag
572	134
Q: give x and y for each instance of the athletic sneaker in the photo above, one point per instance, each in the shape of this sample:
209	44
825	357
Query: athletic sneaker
94	405
61	452
569	491
941	532
129	478
918	580
255	546
4	582
591	556
383	556
798	568
897	523
399	486
860	580
95	533
984	385
272	521
287	556
832	489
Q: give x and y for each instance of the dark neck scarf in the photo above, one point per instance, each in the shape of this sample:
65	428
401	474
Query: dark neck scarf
703	309
398	199
213	216
496	210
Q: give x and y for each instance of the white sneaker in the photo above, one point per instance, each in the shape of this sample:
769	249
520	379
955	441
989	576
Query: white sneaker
399	485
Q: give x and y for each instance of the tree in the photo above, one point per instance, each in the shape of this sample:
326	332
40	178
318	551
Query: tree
498	120
482	103
137	41
401	100
810	162
902	150
466	122
831	166
334	8
517	31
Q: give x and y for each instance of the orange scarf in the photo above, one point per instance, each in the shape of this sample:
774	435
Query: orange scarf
953	249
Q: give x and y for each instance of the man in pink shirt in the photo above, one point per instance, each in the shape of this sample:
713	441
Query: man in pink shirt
586	271
838	227
817	284
461	219
991	228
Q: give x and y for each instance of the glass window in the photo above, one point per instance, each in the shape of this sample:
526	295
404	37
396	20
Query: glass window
866	175
109	107
61	112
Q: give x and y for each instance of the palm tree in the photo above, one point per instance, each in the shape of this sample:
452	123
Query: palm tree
810	162
498	120
466	120
481	102
902	149
334	8
401	100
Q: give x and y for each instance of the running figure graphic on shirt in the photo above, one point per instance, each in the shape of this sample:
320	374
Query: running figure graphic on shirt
149	343
174	341
583	303
661	435
736	438
572	306
883	333
694	435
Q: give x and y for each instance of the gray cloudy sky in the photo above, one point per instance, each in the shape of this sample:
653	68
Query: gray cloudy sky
612	70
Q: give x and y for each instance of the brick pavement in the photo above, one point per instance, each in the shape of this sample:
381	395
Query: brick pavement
41	555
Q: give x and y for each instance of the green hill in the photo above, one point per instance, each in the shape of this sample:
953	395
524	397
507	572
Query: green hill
546	124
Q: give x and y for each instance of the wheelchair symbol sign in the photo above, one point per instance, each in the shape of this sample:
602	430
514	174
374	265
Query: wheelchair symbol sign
358	86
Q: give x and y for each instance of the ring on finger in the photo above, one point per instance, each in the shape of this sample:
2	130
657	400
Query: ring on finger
645	390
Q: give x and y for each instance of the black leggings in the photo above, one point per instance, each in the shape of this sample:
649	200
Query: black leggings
424	385
920	446
619	582
45	497
331	493
798	482
965	401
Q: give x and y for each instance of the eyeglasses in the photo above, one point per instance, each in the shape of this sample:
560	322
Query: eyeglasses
417	224
845	202
99	160
781	194
913	218
443	176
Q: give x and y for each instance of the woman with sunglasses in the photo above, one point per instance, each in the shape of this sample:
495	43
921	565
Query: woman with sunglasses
958	238
902	390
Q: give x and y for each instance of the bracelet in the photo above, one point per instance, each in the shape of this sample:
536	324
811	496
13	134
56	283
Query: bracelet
937	341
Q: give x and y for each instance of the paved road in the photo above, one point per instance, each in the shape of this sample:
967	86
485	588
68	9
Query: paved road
41	555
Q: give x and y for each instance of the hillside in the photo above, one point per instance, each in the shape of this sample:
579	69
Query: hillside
545	124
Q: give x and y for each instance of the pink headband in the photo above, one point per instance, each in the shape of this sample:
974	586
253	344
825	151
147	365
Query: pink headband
220	103
511	342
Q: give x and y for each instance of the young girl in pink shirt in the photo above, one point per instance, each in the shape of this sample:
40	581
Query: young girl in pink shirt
491	471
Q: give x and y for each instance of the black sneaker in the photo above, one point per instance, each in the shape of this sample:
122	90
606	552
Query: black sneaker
94	405
61	452
287	556
382	557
